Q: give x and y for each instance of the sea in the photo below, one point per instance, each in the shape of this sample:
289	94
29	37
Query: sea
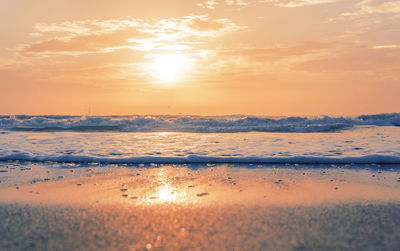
177	139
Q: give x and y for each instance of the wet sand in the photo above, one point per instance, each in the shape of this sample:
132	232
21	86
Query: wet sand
224	207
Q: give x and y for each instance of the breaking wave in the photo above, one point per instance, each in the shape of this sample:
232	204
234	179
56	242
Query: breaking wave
200	124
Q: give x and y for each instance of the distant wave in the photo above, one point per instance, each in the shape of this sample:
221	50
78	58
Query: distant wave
369	159
200	124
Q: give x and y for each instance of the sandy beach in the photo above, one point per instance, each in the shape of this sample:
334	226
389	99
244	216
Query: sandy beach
213	207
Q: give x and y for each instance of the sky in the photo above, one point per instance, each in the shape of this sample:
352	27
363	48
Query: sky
205	57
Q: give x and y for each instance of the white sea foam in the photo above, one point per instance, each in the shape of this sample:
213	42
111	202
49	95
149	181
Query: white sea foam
370	159
362	144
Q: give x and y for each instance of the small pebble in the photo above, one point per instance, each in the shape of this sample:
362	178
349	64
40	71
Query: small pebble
201	194
123	189
125	195
79	184
336	188
134	197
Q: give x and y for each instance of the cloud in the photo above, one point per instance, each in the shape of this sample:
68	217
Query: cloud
278	53
386	46
193	26
298	3
366	8
83	44
364	59
95	36
241	63
379	7
209	4
236	2
112	52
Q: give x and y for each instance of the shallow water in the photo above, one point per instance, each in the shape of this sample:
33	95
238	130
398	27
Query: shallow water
112	189
361	144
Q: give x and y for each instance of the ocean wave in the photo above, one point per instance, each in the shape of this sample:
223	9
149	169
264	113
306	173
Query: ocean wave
200	124
193	159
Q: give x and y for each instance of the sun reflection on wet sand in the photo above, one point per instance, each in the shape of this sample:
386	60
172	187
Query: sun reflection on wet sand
166	191
215	185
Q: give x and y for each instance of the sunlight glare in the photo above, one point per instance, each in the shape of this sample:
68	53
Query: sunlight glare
166	190
169	68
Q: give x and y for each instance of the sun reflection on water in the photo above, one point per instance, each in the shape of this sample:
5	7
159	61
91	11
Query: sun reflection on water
163	133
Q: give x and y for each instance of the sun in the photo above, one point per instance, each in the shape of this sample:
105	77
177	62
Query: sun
170	68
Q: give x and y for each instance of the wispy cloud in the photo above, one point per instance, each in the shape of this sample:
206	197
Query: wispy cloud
236	2
209	4
366	8
386	46
92	36
102	52
279	53
372	61
298	3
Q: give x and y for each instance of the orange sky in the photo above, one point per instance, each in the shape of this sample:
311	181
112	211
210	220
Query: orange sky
261	57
